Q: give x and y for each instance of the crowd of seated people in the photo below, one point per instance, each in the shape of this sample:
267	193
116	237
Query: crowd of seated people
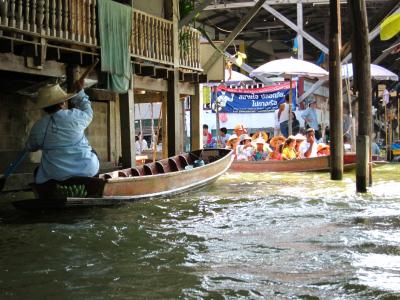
259	146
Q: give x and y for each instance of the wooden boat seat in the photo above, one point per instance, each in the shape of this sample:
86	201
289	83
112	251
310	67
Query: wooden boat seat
174	165
183	160
107	176
150	169
163	166
123	173
135	172
192	158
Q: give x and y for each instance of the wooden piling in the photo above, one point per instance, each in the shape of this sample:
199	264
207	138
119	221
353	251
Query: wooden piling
362	74
363	149
335	92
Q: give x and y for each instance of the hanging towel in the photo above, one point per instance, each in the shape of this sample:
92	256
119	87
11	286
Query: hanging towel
115	27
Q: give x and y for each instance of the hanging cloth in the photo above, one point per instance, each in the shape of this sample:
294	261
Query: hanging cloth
115	27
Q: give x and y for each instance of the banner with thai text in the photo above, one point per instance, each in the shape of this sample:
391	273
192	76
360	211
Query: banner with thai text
265	99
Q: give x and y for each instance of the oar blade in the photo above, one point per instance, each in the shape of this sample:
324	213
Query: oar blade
2	182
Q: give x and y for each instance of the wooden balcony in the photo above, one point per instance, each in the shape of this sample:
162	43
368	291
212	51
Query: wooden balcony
74	22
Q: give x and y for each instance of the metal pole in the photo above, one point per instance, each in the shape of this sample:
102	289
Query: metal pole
290	106
335	92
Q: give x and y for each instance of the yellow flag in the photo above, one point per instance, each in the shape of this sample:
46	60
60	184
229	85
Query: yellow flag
390	27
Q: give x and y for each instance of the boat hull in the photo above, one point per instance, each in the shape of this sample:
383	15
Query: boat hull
169	183
162	178
296	165
314	164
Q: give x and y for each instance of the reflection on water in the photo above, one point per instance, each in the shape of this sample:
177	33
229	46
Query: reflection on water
255	236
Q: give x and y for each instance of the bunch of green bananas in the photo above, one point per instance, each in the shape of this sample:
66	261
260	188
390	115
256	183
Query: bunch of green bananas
76	191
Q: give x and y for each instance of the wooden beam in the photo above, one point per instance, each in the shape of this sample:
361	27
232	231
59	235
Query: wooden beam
147	70
238	5
148	98
15	63
184	21
137	70
289	23
250	15
335	92
100	94
186	88
386	52
161	73
300	49
148	83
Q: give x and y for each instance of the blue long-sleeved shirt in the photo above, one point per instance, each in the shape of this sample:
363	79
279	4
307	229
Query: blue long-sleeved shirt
65	149
311	115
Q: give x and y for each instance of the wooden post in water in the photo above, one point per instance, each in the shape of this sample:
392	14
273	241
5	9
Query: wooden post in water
362	74
335	92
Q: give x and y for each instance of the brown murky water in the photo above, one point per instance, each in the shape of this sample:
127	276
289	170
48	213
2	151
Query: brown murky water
248	236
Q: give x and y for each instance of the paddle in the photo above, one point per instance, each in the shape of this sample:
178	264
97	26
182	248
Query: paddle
11	168
14	165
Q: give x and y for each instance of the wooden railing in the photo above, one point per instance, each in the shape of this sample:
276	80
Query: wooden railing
75	21
190	47
152	40
70	20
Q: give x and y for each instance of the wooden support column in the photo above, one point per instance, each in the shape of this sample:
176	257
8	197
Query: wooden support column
300	50
335	92
127	113
164	126
175	132
362	81
195	120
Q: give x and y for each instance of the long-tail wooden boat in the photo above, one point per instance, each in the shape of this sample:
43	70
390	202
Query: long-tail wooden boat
314	164
165	177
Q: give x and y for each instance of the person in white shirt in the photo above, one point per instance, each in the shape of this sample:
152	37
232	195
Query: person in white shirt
309	147
283	117
140	144
245	149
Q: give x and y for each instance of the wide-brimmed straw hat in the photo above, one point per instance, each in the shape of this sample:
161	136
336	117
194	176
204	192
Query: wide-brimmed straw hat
244	137
274	141
239	127
322	146
232	137
259	134
51	94
299	137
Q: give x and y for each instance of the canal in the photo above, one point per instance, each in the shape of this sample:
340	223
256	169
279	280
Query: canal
248	236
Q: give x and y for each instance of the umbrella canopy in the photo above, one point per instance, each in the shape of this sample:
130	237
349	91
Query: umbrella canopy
235	76
377	72
289	66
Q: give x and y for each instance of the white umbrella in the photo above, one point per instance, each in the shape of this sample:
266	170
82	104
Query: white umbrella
377	72
233	76
289	67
